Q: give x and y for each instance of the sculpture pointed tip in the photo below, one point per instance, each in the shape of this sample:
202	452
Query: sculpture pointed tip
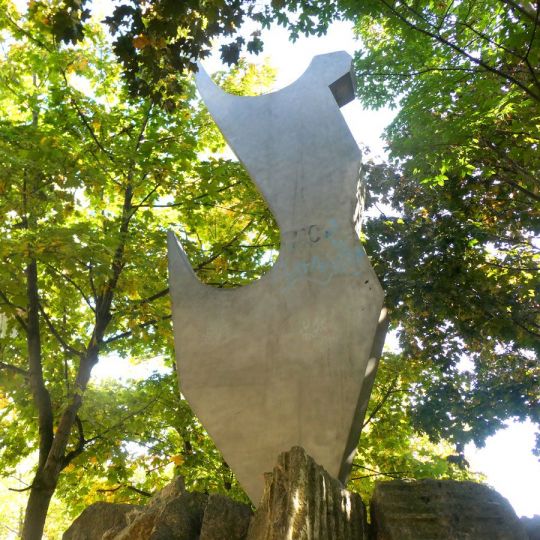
172	241
181	274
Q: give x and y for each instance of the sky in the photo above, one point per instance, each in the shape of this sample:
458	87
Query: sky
506	460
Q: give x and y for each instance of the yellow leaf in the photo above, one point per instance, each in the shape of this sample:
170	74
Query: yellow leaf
178	460
140	42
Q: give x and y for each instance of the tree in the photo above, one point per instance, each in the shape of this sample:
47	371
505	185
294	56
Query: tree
91	180
391	447
460	262
156	42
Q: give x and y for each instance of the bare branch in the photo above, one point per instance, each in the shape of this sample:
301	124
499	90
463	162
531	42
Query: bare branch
20	490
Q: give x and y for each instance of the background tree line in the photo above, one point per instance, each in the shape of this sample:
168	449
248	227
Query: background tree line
104	148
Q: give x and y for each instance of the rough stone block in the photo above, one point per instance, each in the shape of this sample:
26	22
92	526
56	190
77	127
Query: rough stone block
225	519
442	510
303	502
97	519
173	489
532	526
179	518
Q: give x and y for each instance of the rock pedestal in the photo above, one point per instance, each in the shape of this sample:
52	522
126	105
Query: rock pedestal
532	526
302	501
172	514
98	519
442	510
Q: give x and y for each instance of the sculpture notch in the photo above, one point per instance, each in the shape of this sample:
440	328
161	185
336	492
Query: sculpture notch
288	360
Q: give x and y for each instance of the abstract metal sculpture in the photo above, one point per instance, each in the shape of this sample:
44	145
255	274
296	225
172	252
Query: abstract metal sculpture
289	359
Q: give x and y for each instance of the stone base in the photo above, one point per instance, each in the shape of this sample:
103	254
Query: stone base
442	510
172	514
303	502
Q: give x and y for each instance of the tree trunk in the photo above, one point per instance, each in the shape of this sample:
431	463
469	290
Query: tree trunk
53	445
36	509
302	501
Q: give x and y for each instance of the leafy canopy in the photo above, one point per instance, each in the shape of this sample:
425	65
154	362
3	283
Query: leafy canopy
91	180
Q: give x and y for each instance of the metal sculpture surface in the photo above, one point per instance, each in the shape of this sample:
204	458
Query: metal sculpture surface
289	359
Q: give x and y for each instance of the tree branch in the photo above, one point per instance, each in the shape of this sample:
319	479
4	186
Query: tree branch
127	486
407	74
40	393
128	333
155	296
15	309
85	121
21	490
143	127
531	69
26	33
91	280
391	390
70	456
73	283
123	420
146	197
68	348
183	203
485	37
15	369
396	474
521	9
460	50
